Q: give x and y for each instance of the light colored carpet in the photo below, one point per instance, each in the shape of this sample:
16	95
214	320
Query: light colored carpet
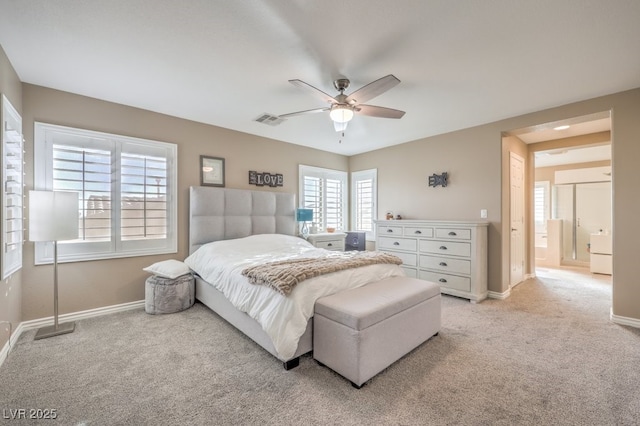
546	355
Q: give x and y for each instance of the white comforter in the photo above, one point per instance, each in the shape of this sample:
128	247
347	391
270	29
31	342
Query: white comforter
283	318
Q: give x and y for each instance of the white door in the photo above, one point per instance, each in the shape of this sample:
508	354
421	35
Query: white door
516	218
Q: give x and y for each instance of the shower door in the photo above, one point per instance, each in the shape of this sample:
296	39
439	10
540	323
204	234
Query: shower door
585	209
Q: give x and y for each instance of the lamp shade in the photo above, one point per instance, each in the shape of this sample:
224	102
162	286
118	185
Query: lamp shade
304	215
53	215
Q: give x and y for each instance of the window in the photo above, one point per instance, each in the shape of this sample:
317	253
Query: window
325	192
126	186
364	188
541	205
12	173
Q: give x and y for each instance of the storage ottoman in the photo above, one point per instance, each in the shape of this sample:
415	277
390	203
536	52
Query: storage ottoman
169	295
360	332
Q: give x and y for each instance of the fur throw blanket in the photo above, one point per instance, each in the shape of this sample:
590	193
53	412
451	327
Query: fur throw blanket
284	275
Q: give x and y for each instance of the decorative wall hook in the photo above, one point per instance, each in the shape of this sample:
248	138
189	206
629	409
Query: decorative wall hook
438	180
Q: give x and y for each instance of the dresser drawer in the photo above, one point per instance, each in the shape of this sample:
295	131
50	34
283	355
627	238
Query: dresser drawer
445	280
331	244
417	231
390	243
454	234
390	230
408	259
446	264
445	247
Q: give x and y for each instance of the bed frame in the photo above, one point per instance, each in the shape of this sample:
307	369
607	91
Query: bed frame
221	214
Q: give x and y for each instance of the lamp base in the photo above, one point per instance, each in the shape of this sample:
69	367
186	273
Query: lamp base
52	330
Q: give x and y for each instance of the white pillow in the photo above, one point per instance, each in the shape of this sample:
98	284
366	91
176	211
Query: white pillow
168	268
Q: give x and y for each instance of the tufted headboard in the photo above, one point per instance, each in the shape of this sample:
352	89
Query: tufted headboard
223	214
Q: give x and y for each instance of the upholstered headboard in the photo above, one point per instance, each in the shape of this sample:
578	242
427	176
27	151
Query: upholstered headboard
222	214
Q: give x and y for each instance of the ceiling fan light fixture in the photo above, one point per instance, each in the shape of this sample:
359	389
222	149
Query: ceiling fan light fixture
341	113
340	127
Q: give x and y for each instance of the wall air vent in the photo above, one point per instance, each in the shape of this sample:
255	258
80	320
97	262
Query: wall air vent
270	119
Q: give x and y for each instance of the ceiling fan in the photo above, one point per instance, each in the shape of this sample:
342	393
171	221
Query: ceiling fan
343	107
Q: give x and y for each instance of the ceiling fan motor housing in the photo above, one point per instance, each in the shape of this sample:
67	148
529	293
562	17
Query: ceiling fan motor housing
341	84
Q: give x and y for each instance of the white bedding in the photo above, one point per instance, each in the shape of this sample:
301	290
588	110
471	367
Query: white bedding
283	318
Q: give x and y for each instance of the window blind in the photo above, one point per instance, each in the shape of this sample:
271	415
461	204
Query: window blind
12	195
127	191
325	192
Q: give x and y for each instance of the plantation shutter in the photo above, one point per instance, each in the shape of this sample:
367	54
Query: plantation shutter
143	197
12	179
127	191
363	196
325	192
87	172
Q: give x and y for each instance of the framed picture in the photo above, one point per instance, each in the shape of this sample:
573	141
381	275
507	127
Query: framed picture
211	171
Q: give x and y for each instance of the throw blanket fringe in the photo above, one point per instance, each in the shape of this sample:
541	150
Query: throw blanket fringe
284	275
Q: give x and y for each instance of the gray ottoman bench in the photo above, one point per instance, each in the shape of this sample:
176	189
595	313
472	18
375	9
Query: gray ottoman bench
360	332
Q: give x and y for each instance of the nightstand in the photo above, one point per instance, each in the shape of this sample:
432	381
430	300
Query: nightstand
330	241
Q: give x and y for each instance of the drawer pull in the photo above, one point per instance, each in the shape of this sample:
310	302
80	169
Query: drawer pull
443	247
443	264
395	243
442	280
418	232
453	234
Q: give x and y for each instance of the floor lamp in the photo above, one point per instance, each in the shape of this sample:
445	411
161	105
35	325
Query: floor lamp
53	216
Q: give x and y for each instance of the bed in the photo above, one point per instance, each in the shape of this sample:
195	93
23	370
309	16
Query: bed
228	230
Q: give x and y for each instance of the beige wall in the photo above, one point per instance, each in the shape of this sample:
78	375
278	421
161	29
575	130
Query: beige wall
87	285
11	287
473	157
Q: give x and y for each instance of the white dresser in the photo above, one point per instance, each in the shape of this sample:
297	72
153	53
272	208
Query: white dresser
452	254
330	241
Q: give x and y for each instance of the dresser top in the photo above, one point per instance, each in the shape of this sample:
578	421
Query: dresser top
323	236
432	222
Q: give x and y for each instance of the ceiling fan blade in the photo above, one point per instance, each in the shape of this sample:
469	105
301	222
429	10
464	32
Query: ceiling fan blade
319	94
376	111
373	89
309	111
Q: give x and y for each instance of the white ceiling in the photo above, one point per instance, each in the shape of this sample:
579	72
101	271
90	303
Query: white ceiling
461	63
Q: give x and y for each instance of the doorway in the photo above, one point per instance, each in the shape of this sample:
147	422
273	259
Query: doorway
574	174
564	147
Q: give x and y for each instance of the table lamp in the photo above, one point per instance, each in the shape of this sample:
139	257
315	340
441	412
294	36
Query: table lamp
304	216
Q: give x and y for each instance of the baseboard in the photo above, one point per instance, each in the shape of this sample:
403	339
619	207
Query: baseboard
74	316
499	296
15	335
631	322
